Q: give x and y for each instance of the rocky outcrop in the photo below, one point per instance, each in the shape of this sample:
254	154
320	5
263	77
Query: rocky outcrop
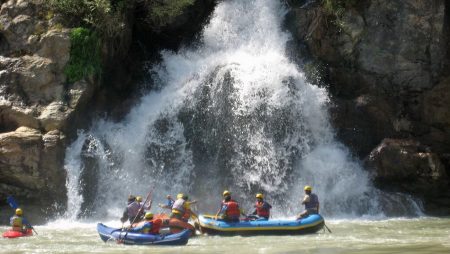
33	86
386	68
32	169
35	104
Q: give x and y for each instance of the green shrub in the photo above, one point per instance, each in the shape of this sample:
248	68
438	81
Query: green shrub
85	57
337	7
104	20
107	17
162	13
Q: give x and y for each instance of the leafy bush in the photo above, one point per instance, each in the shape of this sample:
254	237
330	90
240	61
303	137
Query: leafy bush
104	20
162	13
107	17
337	7
85	57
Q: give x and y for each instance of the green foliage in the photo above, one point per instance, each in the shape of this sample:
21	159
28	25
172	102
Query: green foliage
337	7
85	57
107	17
162	13
104	20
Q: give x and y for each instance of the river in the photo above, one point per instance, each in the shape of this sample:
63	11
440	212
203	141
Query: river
418	235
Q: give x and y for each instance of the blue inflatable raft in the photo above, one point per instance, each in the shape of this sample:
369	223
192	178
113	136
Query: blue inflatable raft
107	234
311	224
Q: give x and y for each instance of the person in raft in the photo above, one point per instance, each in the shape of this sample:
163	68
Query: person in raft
168	204
262	208
146	206
148	226
311	202
181	208
133	211
229	208
19	223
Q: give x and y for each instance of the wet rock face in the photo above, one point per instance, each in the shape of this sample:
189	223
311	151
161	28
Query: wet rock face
436	115
387	69
403	42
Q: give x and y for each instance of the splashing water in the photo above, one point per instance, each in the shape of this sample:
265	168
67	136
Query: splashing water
234	112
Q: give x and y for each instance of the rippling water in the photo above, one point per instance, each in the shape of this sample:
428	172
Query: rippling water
424	235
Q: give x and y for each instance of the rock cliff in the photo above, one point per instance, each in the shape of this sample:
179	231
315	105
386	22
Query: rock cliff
386	66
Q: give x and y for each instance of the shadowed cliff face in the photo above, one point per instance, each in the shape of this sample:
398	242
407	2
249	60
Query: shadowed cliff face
386	65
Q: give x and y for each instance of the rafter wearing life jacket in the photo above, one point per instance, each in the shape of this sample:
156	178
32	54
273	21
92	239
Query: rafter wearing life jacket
18	223
148	226
181	209
229	208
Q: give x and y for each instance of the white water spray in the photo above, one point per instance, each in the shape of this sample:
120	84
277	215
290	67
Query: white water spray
236	113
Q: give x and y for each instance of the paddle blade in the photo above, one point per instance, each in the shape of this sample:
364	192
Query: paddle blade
12	202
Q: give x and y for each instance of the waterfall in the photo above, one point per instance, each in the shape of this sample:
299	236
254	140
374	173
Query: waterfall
233	112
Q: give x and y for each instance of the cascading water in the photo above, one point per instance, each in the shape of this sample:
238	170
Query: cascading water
235	112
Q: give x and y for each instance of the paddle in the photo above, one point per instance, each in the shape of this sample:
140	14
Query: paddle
327	227
12	202
213	217
139	211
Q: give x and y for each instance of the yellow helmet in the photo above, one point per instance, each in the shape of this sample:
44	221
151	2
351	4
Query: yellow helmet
226	193
139	199
19	211
259	195
148	215
180	195
308	188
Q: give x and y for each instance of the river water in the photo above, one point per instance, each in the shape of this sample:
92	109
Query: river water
420	235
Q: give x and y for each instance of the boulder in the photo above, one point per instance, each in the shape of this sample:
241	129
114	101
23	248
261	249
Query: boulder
407	166
31	168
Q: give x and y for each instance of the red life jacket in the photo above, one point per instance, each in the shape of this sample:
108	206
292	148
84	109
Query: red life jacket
232	209
261	210
186	215
156	225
